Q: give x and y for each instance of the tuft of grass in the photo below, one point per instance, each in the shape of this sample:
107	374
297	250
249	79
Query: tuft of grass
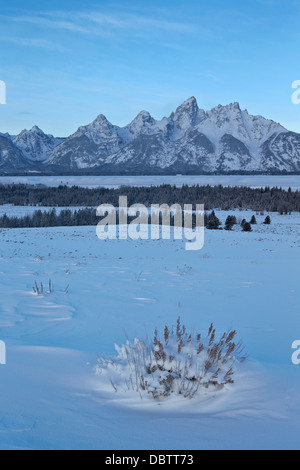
39	289
177	362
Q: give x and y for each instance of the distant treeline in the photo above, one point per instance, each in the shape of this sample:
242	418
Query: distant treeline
68	218
89	217
213	197
51	218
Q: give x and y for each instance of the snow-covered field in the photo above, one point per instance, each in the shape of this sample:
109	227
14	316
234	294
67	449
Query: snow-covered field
116	181
50	394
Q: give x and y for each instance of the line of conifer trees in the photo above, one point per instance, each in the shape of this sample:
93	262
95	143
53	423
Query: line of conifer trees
213	197
89	217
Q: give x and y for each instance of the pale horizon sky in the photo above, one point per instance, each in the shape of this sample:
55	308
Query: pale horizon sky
66	63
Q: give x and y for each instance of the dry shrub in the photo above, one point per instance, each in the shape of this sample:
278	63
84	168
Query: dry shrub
177	362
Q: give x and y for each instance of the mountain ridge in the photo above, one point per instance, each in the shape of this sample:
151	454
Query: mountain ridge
223	139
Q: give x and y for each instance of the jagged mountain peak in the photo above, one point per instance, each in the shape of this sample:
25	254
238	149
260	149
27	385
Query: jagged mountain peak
188	114
35	145
230	106
143	117
141	122
235	106
37	130
100	120
232	109
100	127
102	124
189	104
6	135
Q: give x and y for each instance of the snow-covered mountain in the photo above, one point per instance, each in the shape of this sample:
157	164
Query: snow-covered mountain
35	145
10	156
223	139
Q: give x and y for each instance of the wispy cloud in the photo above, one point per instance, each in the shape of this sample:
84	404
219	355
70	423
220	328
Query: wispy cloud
48	23
106	25
134	22
33	42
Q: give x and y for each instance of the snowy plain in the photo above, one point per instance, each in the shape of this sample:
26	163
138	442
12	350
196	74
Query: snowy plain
51	397
257	181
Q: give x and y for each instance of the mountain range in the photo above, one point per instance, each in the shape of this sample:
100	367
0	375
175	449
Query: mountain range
191	140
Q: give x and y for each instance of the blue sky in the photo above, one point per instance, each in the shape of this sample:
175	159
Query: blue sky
66	62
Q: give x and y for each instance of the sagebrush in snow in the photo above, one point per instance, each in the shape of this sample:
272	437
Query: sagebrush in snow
176	362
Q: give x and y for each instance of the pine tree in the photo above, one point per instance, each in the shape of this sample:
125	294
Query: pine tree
247	227
230	222
213	223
